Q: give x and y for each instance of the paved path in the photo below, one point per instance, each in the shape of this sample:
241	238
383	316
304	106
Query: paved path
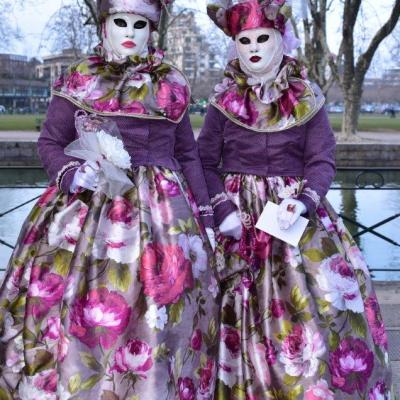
388	294
368	137
18	136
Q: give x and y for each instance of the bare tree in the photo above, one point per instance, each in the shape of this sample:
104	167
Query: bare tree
8	31
64	31
88	10
351	64
352	70
317	55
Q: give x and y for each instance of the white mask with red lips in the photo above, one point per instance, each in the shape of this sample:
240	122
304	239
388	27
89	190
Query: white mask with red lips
125	35
260	53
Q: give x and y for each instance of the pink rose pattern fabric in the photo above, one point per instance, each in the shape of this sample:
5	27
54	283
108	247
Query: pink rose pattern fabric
290	101
102	299
296	323
153	88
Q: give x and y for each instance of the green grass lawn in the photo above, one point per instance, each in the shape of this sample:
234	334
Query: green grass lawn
19	122
376	123
369	123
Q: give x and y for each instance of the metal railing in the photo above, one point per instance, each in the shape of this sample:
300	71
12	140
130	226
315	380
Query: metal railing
364	179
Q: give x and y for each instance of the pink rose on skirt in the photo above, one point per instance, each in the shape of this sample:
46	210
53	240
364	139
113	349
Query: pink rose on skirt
32	236
186	389
45	290
197	340
262	245
375	321
121	211
134	357
231	338
270	351
207	379
63	346
301	350
166	186
379	391
53	328
351	365
99	318
320	391
46	381
165	273
232	184
47	196
277	308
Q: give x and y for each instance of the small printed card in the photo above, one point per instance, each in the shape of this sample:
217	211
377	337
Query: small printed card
268	222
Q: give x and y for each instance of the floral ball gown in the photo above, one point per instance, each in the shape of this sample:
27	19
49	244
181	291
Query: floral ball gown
115	298
297	322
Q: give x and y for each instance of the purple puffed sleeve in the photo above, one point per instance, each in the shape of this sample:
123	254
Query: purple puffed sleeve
319	160
57	132
186	152
211	143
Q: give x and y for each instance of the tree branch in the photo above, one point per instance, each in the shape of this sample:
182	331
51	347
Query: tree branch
364	61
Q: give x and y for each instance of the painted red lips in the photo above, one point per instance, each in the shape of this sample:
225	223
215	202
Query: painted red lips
129	44
255	59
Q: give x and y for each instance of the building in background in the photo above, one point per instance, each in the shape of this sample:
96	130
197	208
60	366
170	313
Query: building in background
189	51
20	89
54	65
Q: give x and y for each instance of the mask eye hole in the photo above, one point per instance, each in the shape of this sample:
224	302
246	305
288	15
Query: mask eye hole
263	38
244	40
140	24
120	22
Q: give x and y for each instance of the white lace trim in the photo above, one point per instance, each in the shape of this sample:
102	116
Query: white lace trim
313	195
218	199
64	170
206	211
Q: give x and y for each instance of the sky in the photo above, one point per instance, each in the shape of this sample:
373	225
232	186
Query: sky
32	17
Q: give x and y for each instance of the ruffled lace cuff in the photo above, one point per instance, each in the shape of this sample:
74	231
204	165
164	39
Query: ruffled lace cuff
310	198
60	180
222	206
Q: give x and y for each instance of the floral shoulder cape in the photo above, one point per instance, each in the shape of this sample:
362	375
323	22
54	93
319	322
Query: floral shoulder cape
141	87
290	101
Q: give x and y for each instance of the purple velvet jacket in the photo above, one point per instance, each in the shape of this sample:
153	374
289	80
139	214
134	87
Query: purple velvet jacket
305	151
149	142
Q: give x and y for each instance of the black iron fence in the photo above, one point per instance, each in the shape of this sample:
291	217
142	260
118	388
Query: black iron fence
361	179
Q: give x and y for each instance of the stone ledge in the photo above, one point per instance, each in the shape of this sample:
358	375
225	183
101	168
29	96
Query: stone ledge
347	155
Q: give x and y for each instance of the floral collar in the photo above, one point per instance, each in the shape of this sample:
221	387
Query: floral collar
141	87
290	101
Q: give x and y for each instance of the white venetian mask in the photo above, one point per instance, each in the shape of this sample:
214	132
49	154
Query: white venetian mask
125	35
260	50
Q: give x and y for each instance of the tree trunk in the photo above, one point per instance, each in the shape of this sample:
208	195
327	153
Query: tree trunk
350	118
352	104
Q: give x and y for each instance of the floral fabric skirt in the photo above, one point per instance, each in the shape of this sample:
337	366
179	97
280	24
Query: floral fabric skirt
111	299
297	323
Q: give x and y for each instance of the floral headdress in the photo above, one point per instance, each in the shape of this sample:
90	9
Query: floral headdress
150	9
236	16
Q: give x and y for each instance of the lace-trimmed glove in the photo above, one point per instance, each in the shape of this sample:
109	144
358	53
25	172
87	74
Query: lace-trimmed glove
289	212
86	176
231	226
211	237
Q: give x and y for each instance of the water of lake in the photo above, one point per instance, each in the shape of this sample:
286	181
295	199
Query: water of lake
368	207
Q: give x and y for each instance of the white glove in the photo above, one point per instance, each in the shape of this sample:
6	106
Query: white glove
86	176
211	237
289	212
231	226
